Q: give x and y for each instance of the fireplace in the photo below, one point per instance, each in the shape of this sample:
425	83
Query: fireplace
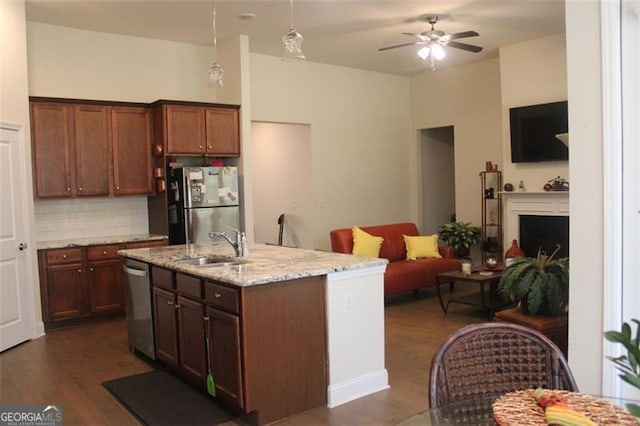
544	232
537	219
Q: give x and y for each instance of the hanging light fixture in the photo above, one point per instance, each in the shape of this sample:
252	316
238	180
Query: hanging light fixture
216	72
292	41
434	51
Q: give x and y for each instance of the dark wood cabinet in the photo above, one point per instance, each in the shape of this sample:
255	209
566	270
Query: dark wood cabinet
225	354
199	129
131	143
222	131
165	327
83	282
91	127
84	148
191	341
53	156
67	291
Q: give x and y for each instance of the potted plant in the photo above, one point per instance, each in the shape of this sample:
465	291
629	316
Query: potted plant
628	365
540	284
461	236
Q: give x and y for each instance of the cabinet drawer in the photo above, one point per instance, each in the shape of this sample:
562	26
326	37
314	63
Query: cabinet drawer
103	252
189	286
162	277
61	256
222	297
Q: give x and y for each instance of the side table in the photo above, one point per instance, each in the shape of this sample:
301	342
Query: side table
555	328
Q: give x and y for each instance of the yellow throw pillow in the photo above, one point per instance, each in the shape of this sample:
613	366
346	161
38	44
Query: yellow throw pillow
422	247
365	244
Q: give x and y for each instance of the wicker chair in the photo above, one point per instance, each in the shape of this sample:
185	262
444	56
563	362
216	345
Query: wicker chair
493	359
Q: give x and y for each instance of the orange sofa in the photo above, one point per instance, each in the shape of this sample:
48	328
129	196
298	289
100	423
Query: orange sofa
401	274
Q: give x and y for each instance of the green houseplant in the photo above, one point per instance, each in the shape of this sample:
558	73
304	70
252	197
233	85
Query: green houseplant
628	365
540	284
459	235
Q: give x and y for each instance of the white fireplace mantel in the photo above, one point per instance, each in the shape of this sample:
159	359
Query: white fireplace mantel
541	203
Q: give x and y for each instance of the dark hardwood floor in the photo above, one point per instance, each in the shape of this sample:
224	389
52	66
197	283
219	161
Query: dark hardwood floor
67	367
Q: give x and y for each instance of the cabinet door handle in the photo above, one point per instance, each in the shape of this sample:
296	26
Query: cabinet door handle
80	188
104	252
217	295
64	256
169	302
117	187
177	306
68	189
91	269
79	271
200	146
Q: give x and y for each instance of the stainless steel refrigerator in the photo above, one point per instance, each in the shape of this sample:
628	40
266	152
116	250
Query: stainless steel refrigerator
201	200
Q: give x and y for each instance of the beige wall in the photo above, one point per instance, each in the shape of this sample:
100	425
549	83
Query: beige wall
360	125
533	72
467	98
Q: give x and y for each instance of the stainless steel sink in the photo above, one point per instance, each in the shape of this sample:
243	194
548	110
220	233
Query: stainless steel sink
213	261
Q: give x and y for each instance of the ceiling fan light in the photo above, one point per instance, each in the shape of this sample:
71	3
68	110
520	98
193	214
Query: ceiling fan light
292	41
438	51
424	52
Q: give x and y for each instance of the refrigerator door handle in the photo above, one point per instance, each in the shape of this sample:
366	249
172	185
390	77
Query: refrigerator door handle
188	225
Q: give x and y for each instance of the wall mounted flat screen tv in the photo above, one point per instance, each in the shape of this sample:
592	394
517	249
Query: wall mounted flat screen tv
533	130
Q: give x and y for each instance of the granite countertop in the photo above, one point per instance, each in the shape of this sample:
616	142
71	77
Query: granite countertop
92	241
264	263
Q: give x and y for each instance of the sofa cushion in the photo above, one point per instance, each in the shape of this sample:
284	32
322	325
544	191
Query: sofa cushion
425	246
365	244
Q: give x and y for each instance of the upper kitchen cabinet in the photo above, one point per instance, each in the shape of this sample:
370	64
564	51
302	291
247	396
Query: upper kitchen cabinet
52	135
199	129
90	148
91	139
131	142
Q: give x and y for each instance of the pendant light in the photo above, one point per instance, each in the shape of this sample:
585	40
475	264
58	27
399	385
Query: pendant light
292	41
216	71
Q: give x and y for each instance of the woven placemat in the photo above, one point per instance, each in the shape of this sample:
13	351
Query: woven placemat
521	408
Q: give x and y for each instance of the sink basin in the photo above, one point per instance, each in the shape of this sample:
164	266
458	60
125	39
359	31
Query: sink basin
213	261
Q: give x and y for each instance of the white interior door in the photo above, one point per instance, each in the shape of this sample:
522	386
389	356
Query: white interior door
16	301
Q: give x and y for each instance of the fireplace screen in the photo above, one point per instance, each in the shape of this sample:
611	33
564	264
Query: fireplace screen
546	232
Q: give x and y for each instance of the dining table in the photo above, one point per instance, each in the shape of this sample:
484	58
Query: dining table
478	411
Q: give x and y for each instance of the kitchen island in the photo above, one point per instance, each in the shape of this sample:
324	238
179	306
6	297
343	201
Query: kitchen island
290	329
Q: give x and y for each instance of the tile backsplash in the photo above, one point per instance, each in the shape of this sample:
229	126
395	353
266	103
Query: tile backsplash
90	217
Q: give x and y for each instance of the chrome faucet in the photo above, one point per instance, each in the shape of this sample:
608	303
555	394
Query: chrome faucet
237	244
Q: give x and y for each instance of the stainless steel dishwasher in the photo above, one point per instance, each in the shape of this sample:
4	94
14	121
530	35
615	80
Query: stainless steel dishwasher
138	303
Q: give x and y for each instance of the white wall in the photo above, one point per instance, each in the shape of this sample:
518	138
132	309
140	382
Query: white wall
14	109
467	98
533	72
360	125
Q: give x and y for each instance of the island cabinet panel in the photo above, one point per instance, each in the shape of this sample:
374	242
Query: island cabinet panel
191	341
92	149
131	143
285	351
52	138
165	326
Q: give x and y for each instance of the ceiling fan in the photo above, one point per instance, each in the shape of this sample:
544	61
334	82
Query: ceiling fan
433	42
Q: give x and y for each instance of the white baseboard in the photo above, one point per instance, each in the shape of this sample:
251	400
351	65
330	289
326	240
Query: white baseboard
358	387
39	329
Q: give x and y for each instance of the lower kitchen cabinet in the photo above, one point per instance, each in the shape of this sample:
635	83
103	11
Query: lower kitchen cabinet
225	355
82	282
165	326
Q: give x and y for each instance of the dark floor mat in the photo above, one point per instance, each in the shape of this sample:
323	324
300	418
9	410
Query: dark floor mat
159	398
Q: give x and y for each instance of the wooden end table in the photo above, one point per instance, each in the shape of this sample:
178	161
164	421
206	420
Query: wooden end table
489	301
555	328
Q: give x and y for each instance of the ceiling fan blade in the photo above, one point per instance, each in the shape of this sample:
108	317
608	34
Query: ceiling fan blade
465	46
463	34
420	36
399	45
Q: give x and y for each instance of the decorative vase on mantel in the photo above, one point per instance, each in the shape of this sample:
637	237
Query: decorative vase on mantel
512	252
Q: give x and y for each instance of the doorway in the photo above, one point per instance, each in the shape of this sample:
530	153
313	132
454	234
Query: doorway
281	170
437	178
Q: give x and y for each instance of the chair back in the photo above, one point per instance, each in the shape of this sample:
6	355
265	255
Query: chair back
493	359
